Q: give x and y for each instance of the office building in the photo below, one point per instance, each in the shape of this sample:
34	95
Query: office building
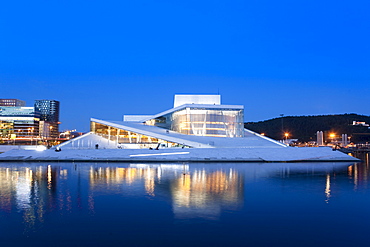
19	122
49	117
12	102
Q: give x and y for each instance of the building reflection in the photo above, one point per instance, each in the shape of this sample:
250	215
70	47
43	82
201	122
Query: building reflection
34	191
197	193
359	172
113	179
204	194
194	191
28	190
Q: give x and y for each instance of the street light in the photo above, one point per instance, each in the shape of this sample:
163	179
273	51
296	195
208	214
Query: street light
332	136
286	137
282	123
51	129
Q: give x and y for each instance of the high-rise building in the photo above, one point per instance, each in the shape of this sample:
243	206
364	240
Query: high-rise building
12	102
49	117
49	110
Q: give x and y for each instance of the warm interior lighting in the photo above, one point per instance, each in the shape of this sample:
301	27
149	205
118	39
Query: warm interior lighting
203	122
200	128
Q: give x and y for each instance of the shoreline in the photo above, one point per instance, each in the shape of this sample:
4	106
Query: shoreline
209	155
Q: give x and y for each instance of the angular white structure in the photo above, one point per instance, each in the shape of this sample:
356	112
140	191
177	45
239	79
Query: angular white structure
199	128
181	99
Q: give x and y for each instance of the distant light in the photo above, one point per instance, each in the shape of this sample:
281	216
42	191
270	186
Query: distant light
262	134
286	134
332	135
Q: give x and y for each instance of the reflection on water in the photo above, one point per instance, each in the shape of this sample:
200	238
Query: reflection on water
44	193
203	194
198	193
195	190
327	188
26	190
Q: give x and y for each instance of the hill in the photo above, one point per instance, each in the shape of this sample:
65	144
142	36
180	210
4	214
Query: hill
304	128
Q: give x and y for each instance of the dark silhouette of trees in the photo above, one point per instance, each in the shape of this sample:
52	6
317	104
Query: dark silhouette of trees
304	128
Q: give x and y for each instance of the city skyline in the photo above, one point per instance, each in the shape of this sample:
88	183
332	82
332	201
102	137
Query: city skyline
121	58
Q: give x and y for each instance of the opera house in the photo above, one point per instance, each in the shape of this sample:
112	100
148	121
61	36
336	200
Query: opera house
197	129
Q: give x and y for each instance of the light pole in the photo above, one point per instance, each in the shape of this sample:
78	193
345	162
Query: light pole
332	136
51	134
32	135
286	137
282	123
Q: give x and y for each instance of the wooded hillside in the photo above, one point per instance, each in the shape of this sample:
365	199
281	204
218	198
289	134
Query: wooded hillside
304	128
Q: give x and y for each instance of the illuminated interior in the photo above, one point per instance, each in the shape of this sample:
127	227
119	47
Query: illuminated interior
122	136
203	122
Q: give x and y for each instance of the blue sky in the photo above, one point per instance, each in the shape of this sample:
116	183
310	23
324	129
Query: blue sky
104	59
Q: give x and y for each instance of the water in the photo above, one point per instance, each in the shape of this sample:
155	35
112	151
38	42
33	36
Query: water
252	204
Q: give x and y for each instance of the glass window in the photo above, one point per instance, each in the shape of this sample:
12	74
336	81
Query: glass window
203	122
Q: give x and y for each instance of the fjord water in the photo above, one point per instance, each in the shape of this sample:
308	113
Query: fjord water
213	204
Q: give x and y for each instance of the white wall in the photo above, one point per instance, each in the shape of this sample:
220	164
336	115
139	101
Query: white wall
197	99
88	141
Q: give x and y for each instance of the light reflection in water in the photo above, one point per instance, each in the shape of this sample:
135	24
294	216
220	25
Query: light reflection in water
204	194
193	191
327	188
359	172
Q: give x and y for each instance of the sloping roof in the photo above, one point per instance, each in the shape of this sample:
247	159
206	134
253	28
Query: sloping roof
251	139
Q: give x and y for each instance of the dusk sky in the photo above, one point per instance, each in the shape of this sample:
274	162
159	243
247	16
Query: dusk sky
104	59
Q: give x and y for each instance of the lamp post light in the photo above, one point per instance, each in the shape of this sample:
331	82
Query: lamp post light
50	133
282	123
286	137
332	137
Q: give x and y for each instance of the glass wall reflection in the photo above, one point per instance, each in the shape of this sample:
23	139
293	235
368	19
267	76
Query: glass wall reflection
192	190
187	189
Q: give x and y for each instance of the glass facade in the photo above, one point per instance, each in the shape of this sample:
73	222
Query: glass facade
49	113
49	110
215	122
127	137
23	121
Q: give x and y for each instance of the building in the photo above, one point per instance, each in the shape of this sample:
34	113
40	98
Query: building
12	102
196	121
49	117
19	122
192	118
197	129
